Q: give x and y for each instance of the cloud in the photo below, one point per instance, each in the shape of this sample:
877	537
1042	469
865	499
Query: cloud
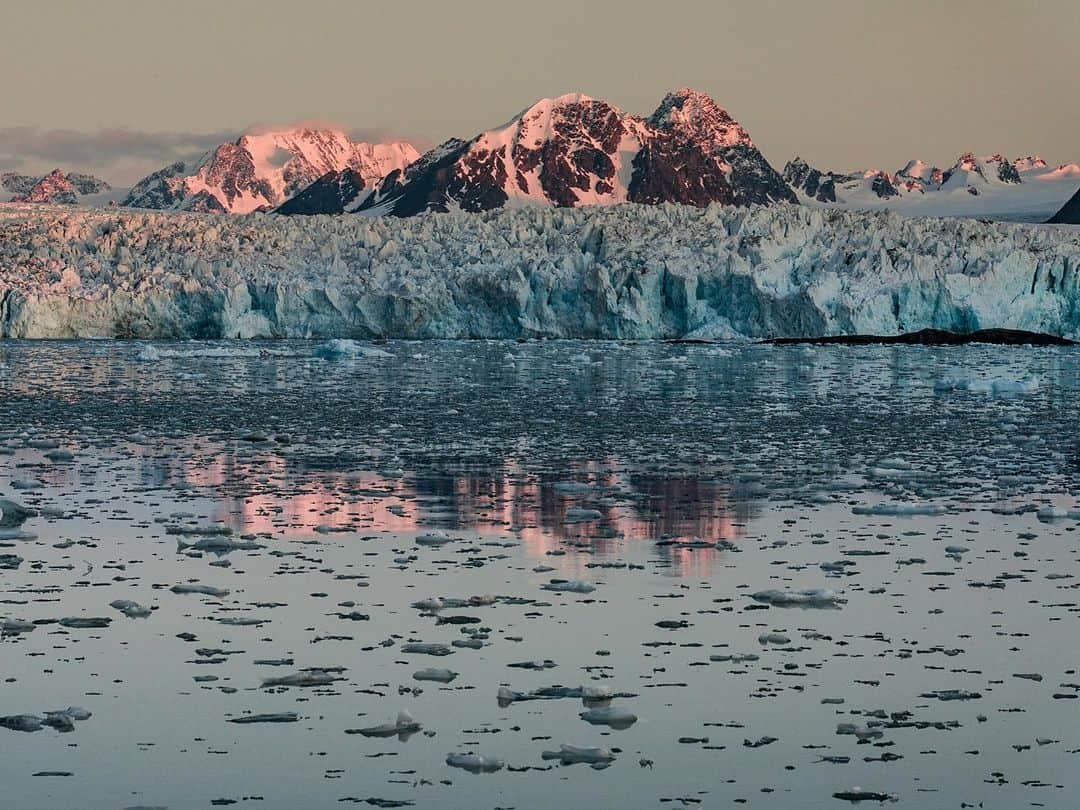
119	155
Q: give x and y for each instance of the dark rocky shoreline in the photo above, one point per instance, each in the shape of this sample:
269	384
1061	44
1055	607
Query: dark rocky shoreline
935	337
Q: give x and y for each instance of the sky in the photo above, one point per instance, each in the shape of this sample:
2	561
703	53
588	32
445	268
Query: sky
123	87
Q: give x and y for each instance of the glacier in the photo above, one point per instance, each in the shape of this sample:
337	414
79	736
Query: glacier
621	272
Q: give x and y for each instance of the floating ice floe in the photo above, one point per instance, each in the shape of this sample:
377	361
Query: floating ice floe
63	720
435	674
1051	513
341	348
811	597
579	514
857	794
218	544
402	728
899	509
305	678
133	610
589	695
279	717
430	605
426	648
13	514
85	622
474	763
433	539
569	586
13	627
613	716
988	385
195	587
574	754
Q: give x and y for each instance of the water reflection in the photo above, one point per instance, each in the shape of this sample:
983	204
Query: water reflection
264	492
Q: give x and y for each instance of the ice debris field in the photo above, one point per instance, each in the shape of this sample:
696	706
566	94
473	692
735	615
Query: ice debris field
551	574
620	272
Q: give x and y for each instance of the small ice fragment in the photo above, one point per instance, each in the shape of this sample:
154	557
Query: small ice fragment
435	674
426	648
569	586
474	763
133	610
403	728
613	716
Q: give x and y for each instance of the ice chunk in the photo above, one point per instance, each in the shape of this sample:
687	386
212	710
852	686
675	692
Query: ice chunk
474	763
812	597
340	349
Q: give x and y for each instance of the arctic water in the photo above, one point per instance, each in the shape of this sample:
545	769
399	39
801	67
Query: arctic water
498	574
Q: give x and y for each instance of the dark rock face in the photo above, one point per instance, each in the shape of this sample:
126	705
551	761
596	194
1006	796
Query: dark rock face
331	193
87	183
882	185
575	150
798	174
675	170
1069	213
1006	170
753	179
426	185
17	183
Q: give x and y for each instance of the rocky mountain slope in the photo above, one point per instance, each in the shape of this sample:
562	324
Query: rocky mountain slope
56	187
260	171
1069	213
626	271
572	151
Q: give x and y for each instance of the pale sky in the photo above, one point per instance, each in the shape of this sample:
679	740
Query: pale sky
121	87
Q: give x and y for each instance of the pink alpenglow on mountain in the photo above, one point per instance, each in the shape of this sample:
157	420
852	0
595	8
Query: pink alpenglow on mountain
572	151
260	171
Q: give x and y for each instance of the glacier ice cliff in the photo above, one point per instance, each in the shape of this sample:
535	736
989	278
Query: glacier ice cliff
633	272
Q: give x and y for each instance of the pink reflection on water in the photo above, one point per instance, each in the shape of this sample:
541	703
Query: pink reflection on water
269	494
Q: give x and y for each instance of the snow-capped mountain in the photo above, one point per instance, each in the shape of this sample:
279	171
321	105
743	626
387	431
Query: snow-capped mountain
990	186
260	171
55	187
575	150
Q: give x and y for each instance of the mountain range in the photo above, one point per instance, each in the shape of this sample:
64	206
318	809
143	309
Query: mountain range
572	151
564	152
973	185
260	171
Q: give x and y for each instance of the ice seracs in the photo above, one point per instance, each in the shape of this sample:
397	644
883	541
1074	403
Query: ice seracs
626	271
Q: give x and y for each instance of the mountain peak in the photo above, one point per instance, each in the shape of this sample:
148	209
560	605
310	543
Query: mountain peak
700	118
